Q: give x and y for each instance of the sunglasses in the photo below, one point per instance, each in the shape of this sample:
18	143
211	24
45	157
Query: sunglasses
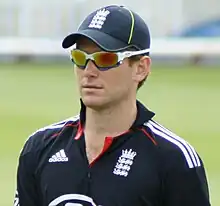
103	60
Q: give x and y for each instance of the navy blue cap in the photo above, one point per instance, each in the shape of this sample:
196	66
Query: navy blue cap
113	28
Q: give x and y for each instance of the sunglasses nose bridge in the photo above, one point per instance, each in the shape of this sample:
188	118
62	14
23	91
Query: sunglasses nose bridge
89	57
90	67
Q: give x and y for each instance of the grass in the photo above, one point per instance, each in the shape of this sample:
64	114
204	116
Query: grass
184	99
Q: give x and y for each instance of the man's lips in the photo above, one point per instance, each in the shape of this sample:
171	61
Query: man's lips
92	87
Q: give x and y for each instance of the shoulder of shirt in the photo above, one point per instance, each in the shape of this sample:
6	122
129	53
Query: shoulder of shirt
40	137
172	146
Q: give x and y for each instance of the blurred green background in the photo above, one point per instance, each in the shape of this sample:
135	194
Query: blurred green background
186	99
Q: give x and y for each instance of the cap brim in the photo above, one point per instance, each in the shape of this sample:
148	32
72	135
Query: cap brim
103	40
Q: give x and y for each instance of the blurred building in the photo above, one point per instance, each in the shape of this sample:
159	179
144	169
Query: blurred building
56	18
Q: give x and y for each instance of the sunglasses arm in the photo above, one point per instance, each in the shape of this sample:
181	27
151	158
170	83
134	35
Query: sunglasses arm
126	54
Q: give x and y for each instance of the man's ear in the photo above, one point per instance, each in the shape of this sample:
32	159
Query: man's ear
142	69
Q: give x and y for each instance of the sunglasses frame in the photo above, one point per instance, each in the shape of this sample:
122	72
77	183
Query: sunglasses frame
121	57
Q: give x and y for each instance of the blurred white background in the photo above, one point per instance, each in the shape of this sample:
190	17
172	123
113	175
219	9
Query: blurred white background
55	18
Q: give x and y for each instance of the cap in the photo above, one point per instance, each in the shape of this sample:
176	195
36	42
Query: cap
112	28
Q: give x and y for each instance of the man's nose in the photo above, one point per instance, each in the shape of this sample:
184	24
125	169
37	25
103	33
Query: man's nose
91	69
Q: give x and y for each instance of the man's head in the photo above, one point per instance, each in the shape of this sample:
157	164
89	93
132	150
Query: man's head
118	73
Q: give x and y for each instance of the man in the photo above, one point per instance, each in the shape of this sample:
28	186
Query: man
113	153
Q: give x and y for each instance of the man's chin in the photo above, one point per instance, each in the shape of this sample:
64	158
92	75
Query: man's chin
94	103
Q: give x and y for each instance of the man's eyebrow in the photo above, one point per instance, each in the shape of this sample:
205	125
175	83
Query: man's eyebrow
83	48
80	45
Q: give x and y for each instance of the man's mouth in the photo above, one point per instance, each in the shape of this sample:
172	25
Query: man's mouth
91	87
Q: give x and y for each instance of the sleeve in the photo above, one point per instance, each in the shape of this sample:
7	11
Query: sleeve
184	185
26	194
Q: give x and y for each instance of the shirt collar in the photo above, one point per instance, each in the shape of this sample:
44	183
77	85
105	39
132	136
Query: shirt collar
143	114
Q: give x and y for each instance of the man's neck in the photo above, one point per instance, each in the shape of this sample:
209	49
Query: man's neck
111	121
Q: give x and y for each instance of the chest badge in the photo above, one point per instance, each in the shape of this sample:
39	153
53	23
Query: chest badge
124	163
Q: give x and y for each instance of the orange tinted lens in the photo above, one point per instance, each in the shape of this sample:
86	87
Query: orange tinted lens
78	57
106	59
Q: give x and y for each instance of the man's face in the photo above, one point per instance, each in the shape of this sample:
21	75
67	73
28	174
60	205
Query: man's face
101	89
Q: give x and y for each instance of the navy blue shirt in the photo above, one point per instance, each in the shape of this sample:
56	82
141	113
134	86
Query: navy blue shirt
148	165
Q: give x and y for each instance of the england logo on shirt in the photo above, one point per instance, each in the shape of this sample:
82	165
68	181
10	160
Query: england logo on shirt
124	163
